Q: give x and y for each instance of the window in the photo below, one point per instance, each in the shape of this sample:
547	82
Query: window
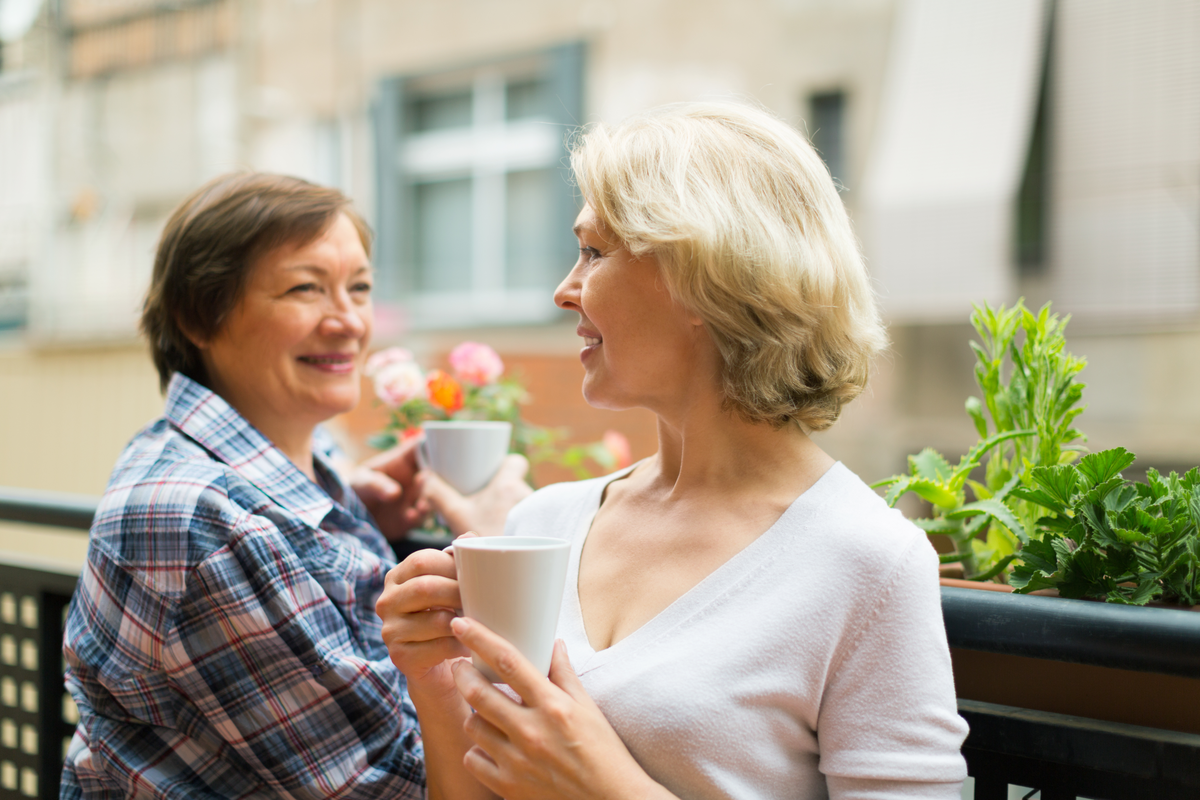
475	204
1030	226
827	117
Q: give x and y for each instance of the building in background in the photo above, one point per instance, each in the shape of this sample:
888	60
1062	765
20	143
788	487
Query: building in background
987	149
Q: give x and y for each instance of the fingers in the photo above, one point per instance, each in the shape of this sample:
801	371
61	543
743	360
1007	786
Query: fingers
374	487
483	769
514	468
423	562
398	463
562	674
504	659
445	500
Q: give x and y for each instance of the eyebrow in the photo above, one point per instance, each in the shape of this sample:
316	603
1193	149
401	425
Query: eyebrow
321	270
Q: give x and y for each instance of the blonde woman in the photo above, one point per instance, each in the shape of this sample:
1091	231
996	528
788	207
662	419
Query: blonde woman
744	617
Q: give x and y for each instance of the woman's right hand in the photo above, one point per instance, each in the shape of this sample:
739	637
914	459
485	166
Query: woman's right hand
420	597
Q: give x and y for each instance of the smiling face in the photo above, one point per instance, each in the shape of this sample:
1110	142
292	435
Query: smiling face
641	348
290	353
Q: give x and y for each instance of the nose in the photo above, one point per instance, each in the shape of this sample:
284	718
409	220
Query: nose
566	296
346	319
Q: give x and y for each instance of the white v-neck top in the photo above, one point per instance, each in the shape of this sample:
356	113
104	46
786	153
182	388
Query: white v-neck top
812	664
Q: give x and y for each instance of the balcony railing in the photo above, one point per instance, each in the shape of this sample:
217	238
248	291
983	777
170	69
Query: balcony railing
1062	757
37	716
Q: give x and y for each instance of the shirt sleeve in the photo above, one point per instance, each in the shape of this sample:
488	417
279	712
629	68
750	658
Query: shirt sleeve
889	726
266	646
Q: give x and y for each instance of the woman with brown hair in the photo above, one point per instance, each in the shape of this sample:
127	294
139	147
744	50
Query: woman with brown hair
222	641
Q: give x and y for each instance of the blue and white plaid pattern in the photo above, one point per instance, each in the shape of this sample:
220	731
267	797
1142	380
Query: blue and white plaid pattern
223	640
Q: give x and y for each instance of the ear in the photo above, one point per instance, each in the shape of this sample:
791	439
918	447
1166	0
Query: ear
198	341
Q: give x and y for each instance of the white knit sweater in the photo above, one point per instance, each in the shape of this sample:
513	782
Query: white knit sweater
812	664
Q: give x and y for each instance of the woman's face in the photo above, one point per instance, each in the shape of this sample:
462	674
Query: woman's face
290	353
641	348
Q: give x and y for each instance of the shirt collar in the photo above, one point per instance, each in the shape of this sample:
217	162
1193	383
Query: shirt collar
205	417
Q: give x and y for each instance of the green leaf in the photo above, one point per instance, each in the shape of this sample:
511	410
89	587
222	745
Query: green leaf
930	465
996	510
899	487
1102	466
1059	483
938	525
1039	497
382	441
994	570
979	450
981	492
935	493
951	558
975	409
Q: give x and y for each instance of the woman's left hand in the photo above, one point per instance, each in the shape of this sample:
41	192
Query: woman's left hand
557	746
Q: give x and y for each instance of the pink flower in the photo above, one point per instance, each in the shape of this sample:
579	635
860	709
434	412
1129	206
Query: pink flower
476	363
397	382
616	444
384	358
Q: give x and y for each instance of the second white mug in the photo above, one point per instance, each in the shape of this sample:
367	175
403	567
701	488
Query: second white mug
465	453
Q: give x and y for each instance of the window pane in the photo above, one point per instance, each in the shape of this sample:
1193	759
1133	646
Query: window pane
530	235
828	113
438	112
526	100
443	236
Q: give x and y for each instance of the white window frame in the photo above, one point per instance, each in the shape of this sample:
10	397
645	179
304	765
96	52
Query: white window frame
486	151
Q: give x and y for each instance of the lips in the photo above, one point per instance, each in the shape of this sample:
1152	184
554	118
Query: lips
330	362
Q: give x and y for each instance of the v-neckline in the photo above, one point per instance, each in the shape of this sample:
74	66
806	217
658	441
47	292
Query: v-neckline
729	576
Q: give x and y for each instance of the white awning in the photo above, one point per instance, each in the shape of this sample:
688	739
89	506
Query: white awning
954	129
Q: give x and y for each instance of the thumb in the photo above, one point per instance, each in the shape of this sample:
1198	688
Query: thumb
445	499
514	468
375	486
562	674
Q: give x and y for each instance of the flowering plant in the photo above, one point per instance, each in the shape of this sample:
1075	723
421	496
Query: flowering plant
476	388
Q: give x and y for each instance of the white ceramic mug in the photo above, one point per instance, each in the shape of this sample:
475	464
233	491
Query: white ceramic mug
465	453
514	586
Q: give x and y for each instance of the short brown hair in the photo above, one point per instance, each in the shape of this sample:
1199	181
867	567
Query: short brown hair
208	247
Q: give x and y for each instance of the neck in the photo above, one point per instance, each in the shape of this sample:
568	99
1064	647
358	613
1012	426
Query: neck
298	449
292	436
712	449
294	441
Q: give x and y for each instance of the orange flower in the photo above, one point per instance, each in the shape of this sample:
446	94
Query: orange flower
444	391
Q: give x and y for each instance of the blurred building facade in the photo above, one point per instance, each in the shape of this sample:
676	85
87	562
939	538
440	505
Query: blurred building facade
987	150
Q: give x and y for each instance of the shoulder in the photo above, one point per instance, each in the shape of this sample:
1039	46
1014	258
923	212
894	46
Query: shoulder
167	503
557	504
858	535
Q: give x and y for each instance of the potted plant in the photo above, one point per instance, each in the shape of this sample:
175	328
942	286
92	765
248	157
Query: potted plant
1046	519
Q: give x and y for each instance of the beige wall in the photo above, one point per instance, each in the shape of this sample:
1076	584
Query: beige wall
65	414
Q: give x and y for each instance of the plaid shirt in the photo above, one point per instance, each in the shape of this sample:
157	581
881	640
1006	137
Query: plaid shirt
223	640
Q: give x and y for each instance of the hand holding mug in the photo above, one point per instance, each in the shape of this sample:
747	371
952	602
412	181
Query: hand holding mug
419	599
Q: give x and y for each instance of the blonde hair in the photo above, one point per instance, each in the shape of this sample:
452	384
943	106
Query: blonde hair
752	237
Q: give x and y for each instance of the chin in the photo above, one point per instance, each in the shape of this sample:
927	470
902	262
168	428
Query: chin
336	403
597	398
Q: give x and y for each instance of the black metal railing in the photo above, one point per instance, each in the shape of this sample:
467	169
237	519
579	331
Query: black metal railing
37	716
1065	756
1059	755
